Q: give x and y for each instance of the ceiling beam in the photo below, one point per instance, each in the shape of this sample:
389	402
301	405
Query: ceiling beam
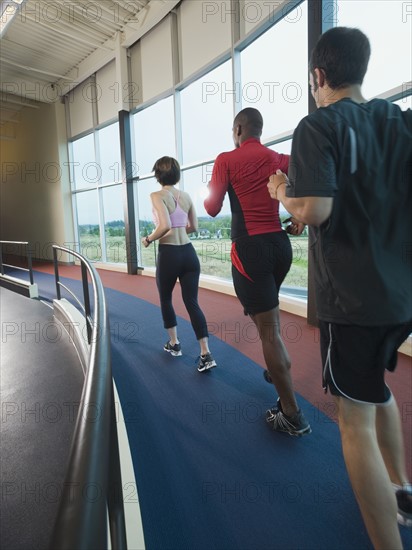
14	100
31	69
152	14
54	28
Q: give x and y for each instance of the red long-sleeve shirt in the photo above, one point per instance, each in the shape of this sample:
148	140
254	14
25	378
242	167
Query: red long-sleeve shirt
244	173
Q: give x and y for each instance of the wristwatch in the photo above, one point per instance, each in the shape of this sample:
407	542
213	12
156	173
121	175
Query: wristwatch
148	241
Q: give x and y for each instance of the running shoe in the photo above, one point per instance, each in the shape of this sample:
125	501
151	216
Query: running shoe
296	425
206	362
267	376
175	350
404	499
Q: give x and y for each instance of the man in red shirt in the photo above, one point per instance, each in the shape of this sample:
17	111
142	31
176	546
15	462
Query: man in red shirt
261	253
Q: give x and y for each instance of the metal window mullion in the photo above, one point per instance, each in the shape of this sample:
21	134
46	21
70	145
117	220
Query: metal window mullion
101	223
135	181
315	27
327	21
67	116
128	191
137	221
237	81
176	48
95	114
177	108
100	200
73	193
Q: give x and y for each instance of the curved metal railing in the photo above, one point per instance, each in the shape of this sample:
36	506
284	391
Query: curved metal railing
29	268
92	487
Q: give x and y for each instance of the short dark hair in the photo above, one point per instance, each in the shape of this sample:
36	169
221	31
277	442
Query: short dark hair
167	171
343	54
251	119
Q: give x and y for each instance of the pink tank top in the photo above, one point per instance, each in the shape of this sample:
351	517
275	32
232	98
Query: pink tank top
178	217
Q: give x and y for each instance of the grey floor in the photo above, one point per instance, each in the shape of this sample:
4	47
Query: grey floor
41	383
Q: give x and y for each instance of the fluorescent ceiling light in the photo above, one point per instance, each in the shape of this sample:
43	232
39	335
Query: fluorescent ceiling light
8	9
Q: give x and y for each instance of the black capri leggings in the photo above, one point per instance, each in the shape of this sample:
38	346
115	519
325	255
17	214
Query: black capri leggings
180	262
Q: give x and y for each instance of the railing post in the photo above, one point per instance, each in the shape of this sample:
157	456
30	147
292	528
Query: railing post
29	263
1	259
56	273
87	309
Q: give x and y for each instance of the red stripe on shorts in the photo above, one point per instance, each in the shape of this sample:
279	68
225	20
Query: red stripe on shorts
237	263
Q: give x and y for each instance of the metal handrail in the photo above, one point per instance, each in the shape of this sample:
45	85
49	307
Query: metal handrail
29	268
92	484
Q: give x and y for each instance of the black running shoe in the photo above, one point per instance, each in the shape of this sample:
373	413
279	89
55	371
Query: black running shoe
267	376
404	499
206	362
175	350
296	425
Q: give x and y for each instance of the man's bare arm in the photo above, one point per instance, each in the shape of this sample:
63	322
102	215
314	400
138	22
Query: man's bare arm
308	210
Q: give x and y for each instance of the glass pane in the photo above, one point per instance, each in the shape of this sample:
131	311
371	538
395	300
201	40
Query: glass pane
284	147
154	135
212	242
88	225
275	73
207	115
86	172
405	103
298	274
109	154
114	224
146	224
390	64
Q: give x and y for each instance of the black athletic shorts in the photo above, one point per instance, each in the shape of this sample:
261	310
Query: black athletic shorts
355	358
259	265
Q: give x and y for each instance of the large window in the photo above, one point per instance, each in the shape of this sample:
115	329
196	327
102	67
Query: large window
390	64
85	172
207	118
153	135
146	225
96	175
212	241
298	273
274	71
88	225
114	224
109	154
207	115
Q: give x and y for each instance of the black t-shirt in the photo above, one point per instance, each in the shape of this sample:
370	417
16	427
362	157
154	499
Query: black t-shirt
361	155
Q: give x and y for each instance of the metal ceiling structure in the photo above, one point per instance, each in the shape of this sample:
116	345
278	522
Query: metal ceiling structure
46	47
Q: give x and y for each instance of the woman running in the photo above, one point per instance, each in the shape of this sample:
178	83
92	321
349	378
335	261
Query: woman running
175	218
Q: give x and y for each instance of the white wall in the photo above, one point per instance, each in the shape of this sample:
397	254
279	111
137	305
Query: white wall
35	199
205	33
80	101
156	60
108	93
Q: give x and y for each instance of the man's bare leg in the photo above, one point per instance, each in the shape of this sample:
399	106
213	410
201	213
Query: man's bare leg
368	474
390	440
276	357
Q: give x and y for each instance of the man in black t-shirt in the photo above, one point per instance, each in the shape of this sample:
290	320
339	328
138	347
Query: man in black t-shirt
350	178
